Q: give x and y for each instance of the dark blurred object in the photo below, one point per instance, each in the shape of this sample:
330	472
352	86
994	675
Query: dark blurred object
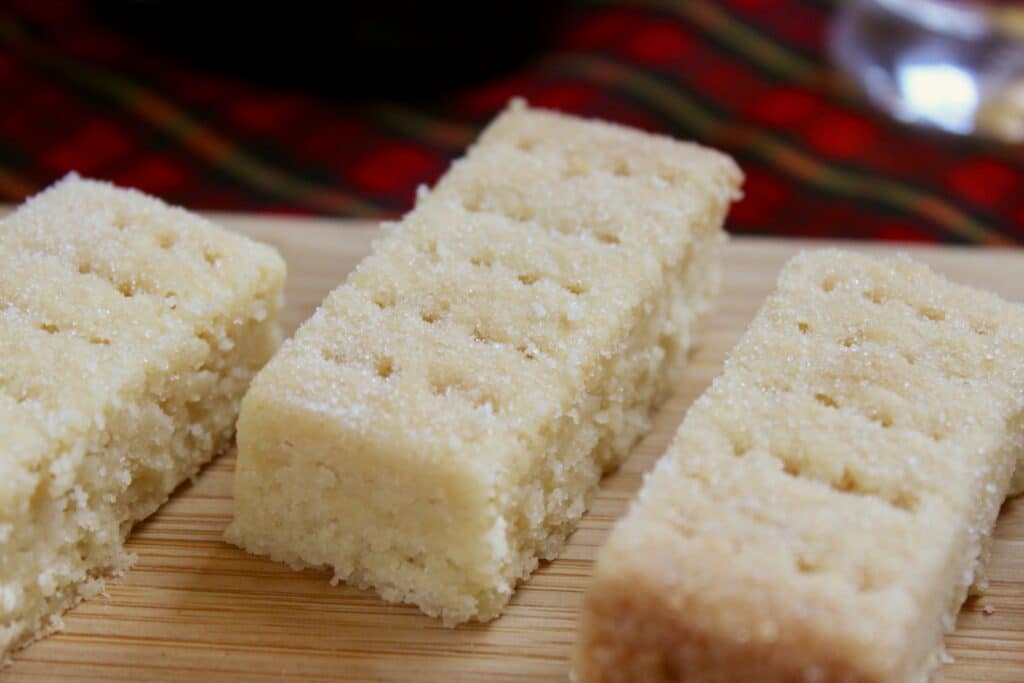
387	47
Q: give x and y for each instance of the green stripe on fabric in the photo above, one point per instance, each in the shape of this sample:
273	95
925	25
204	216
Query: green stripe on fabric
676	106
412	123
189	131
752	45
740	37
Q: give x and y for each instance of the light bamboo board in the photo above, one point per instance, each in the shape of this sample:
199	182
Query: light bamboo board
196	608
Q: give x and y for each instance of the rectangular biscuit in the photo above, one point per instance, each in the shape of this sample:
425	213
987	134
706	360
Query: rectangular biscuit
129	330
439	424
826	504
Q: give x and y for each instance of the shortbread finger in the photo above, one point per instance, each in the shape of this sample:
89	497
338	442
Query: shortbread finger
439	424
129	330
825	505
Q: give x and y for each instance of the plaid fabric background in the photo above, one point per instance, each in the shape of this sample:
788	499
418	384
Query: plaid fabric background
748	76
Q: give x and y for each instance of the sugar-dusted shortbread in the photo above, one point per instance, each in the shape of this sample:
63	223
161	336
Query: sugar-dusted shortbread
827	503
129	331
441	421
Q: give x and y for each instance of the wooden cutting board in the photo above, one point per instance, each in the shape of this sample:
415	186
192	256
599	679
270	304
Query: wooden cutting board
196	608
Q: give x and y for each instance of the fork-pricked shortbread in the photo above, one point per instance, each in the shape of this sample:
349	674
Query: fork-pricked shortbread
129	331
442	420
827	503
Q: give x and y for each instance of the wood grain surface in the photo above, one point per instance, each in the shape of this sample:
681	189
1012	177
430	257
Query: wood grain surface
196	608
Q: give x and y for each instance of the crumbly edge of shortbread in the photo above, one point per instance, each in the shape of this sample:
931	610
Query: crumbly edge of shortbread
128	464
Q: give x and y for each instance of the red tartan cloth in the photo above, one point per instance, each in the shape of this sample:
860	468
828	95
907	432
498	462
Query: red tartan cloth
748	76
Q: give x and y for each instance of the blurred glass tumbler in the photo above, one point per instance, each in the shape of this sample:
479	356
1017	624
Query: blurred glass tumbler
955	65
